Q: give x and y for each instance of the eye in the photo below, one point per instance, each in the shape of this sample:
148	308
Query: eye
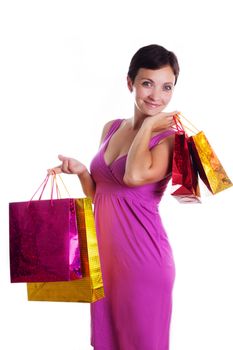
147	83
168	87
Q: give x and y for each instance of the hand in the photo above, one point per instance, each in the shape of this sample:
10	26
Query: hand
161	121
68	166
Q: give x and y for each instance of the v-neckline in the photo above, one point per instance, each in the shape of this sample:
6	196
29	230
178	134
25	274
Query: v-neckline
106	142
114	161
106	146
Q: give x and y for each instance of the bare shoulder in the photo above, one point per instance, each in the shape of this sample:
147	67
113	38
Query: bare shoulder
168	140
106	128
164	149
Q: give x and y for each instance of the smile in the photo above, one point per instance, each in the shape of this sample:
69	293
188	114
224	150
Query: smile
152	105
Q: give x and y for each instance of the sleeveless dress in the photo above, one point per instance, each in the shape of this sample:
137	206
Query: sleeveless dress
136	259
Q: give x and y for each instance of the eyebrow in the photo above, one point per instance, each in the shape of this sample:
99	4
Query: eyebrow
152	81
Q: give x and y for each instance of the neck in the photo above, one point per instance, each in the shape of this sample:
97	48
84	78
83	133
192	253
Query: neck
137	119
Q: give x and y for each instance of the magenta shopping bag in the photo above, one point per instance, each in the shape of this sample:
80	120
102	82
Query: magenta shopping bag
44	242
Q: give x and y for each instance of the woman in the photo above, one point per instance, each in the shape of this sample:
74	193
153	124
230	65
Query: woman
127	179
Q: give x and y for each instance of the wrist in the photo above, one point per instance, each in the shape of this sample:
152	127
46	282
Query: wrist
83	173
148	125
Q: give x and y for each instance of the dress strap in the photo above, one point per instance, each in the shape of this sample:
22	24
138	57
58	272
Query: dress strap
113	128
157	138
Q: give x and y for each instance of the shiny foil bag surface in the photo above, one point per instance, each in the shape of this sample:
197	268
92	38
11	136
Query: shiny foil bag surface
90	287
44	242
208	165
185	186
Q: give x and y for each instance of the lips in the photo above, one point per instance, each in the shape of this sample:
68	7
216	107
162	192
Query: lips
152	105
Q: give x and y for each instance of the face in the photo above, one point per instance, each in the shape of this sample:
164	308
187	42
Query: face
152	89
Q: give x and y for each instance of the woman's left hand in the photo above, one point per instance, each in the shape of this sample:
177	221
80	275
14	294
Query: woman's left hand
160	121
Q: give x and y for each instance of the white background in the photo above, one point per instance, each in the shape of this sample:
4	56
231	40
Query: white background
63	67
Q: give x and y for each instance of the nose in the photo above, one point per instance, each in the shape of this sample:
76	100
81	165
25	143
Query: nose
155	93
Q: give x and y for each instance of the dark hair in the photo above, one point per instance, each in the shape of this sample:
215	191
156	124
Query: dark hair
153	57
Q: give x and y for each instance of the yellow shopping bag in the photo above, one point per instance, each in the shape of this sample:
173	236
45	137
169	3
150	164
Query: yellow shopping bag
90	287
209	166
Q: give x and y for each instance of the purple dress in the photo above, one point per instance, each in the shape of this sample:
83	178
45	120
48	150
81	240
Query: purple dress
136	259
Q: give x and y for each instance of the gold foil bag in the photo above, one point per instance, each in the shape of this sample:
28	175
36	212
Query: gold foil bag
209	167
89	288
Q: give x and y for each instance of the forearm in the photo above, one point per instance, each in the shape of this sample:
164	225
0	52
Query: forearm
139	159
87	183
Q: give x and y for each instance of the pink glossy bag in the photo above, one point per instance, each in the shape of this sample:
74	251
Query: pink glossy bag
44	240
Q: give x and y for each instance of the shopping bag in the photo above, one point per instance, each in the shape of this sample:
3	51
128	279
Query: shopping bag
208	165
185	187
90	287
44	241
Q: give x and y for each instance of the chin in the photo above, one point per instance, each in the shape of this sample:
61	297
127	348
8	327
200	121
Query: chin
153	112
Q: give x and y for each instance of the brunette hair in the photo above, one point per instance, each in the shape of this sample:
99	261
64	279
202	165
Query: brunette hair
153	57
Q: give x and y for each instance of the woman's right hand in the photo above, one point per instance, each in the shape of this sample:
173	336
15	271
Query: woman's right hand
68	166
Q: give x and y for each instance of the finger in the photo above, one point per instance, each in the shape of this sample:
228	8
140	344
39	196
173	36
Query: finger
176	115
169	118
172	122
56	170
65	166
61	157
171	114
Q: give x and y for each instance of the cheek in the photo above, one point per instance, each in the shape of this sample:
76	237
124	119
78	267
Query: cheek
167	97
141	93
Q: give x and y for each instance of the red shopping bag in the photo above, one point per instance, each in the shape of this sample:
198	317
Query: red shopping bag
44	240
185	186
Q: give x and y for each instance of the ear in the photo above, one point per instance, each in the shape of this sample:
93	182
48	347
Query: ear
129	84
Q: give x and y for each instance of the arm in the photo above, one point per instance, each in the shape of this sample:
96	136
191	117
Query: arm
145	166
73	166
87	183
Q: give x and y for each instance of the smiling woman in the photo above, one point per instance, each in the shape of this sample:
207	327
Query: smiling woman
128	177
152	89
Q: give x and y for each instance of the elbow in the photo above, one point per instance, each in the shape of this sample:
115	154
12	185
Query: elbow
132	180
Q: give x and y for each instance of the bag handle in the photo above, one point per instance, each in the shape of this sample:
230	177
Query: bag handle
44	183
53	182
178	125
177	119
